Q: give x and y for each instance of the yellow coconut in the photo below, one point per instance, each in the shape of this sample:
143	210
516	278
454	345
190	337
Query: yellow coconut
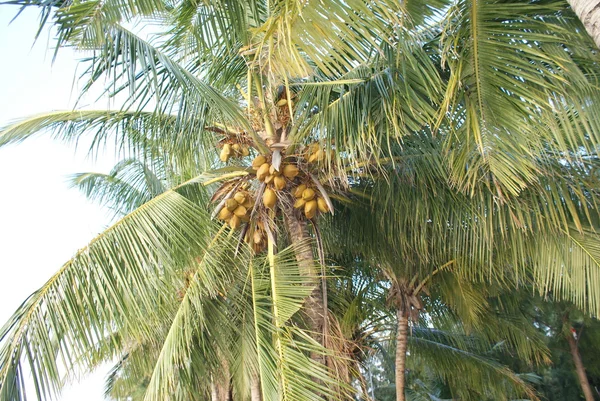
231	204
310	209
224	156
263	172
323	207
239	197
269	198
298	191
240	211
227	149
235	222
279	182
258	161
308	194
290	171
224	214
299	203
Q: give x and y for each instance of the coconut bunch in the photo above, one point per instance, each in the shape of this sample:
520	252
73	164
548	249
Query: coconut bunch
276	181
309	194
232	149
237	209
270	175
309	202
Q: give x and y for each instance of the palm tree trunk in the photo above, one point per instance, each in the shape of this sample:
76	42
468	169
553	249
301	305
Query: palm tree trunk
255	393
583	380
588	12
214	395
401	345
219	391
313	306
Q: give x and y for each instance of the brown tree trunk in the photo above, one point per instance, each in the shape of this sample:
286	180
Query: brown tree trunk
588	12
313	306
255	393
583	380
219	391
401	345
220	386
214	395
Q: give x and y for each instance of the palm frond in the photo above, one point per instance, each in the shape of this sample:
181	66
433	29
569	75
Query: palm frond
112	284
129	185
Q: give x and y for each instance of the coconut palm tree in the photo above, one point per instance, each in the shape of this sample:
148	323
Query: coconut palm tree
324	96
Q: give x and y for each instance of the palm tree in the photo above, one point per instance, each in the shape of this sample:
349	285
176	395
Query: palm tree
290	82
361	321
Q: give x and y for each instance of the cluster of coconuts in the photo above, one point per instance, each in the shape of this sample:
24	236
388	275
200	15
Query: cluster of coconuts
267	173
237	209
309	202
233	149
276	180
308	195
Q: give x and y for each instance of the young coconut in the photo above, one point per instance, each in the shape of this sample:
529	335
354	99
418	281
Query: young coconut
269	198
240	211
298	191
323	208
239	197
308	194
279	182
299	203
225	153
224	214
231	204
290	171
235	222
310	209
263	172
258	161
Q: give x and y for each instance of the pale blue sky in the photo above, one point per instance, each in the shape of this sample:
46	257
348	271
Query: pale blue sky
42	221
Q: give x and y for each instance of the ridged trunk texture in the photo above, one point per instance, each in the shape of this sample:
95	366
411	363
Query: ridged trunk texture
220	387
583	380
255	393
313	306
401	345
588	12
219	391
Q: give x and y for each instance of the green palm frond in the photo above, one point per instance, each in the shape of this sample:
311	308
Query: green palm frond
115	283
142	135
473	375
514	69
129	185
285	289
374	107
567	267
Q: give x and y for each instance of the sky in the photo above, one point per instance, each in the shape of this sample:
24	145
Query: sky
43	222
